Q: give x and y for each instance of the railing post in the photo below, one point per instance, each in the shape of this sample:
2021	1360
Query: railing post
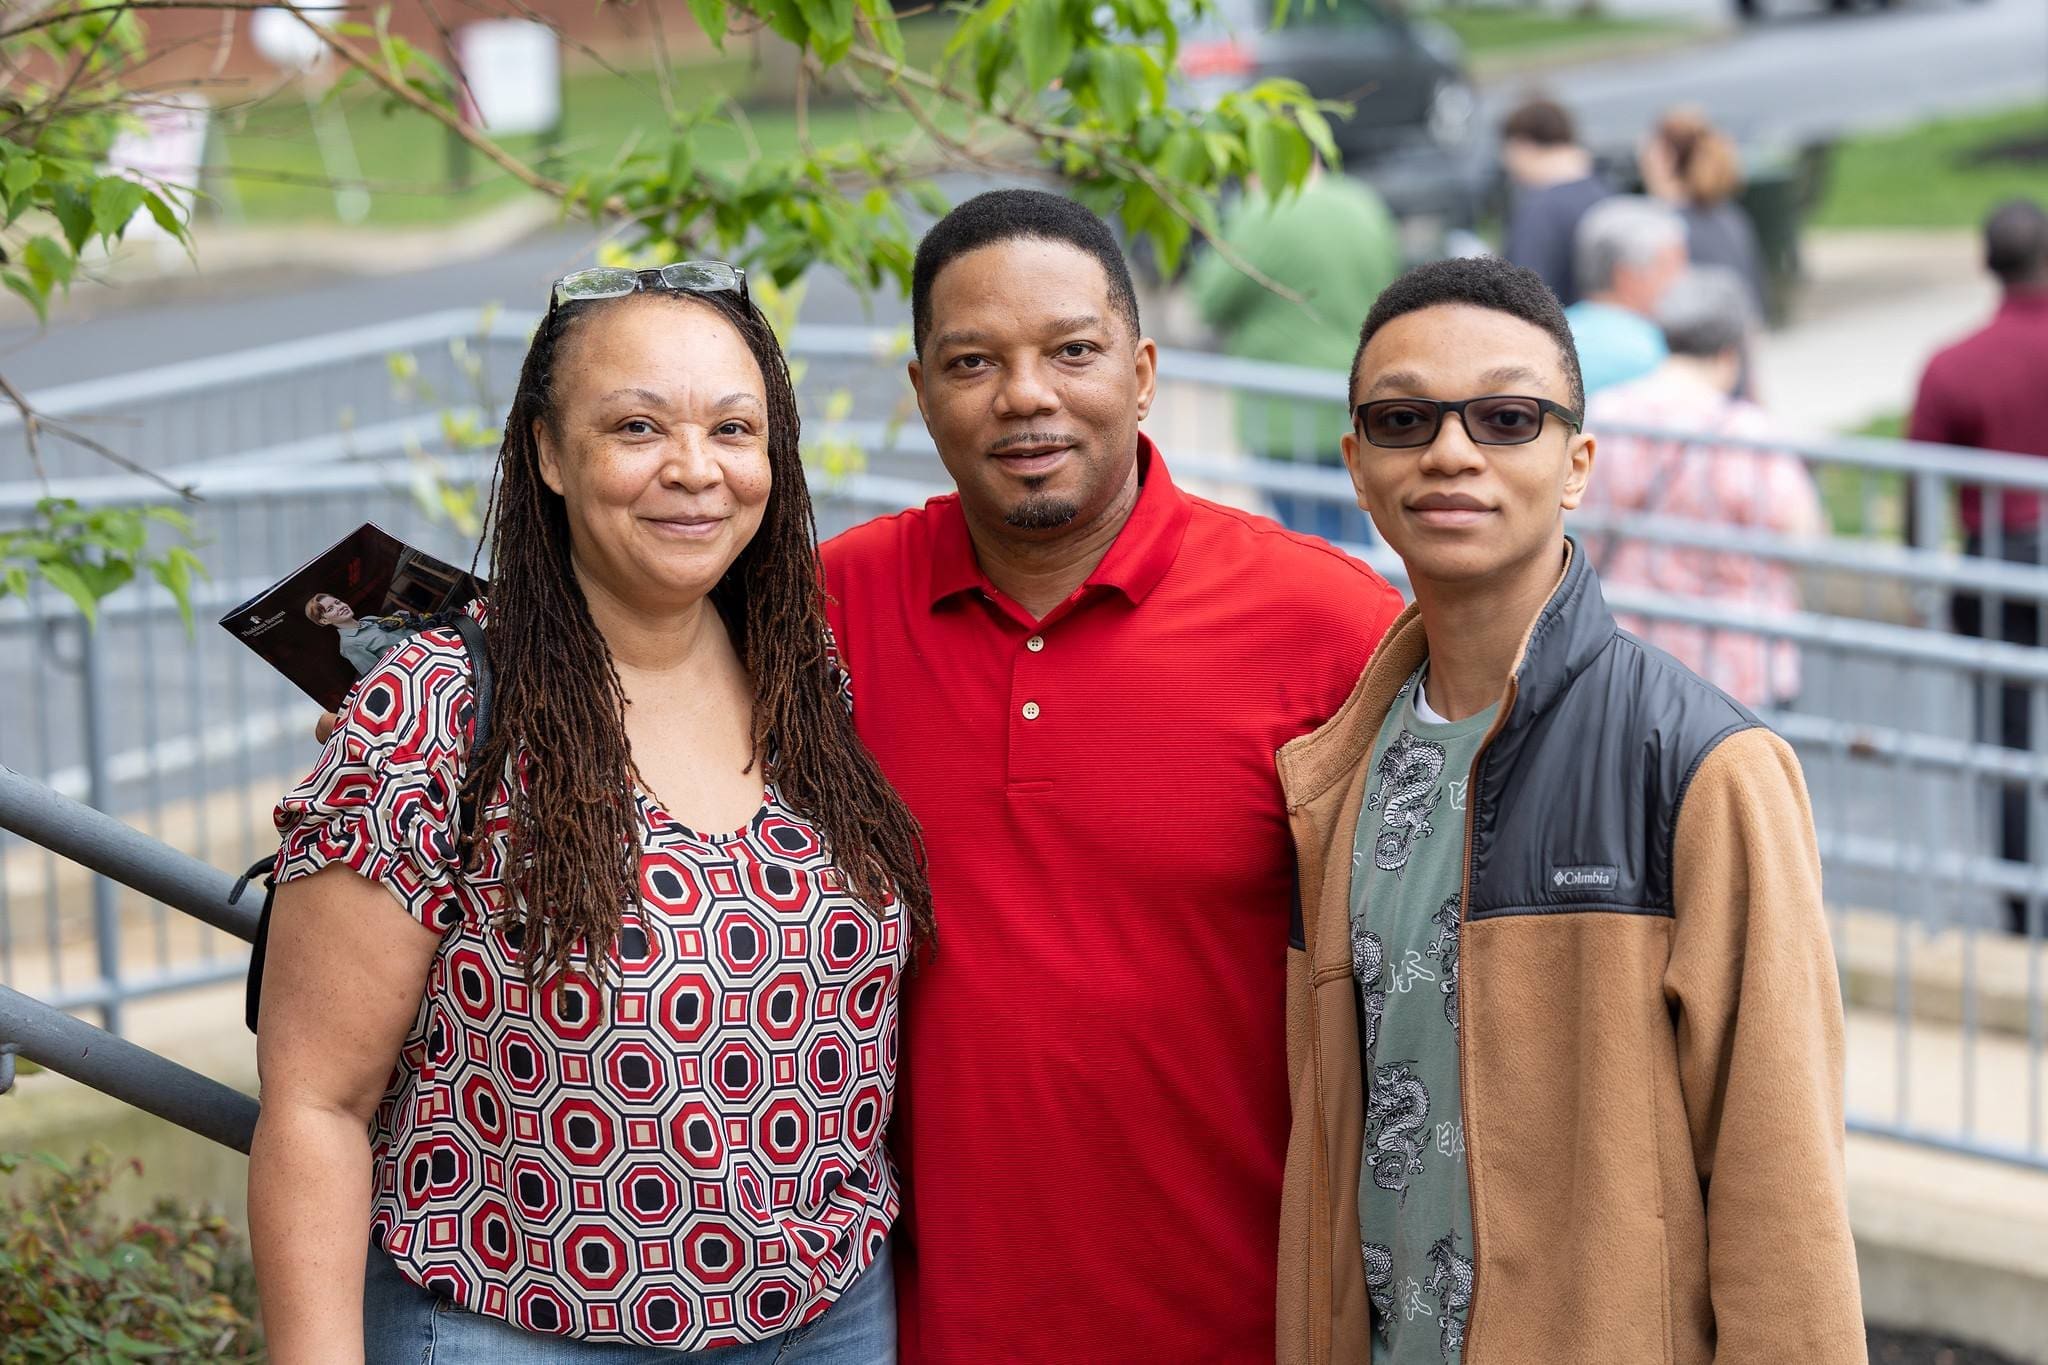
1927	526
106	912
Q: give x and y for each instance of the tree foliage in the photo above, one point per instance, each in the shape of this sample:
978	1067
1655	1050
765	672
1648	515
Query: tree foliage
1076	92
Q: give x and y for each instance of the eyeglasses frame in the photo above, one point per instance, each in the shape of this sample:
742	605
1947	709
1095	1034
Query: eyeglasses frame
661	280
1443	407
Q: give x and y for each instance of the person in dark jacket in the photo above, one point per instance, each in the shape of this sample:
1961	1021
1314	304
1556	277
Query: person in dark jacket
1553	184
1564	1034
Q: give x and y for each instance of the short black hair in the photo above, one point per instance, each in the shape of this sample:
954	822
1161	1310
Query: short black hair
2016	242
1482	282
1003	216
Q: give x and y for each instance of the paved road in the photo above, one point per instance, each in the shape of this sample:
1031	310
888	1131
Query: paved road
1790	79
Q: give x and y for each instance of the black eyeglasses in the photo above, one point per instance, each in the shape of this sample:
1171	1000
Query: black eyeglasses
685	277
1496	420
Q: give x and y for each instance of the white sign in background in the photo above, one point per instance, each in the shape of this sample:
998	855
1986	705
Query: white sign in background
514	71
165	148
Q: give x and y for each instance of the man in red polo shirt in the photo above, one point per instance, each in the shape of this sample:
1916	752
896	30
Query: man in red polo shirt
1078	676
1985	391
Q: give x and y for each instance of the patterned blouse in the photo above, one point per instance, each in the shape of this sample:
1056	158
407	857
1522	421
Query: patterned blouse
1737	486
696	1160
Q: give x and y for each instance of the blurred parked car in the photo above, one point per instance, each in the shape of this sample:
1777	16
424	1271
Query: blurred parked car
1411	132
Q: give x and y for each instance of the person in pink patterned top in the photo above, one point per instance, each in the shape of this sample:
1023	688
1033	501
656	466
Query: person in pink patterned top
604	1074
1706	317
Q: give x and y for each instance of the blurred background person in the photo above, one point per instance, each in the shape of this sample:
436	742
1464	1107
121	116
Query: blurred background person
1336	245
1628	251
1990	390
1552	182
1693	166
1706	317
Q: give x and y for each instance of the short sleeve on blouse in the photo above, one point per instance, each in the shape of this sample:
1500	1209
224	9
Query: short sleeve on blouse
382	801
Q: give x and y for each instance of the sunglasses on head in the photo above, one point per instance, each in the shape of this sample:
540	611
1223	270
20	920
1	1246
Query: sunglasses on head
1497	420
682	277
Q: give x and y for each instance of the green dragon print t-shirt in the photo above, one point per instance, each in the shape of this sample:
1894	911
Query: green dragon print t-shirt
1407	877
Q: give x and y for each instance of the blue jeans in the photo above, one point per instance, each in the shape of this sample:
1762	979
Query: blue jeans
404	1324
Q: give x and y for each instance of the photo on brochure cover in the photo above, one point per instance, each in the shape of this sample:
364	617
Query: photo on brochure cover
330	623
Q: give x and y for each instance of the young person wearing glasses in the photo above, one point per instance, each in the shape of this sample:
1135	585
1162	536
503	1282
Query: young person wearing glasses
1564	1028
610	1079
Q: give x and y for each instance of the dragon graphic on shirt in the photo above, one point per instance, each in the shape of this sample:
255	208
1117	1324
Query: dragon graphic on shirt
1368	957
1379	1286
1444	948
1396	1126
1408	773
1451	1282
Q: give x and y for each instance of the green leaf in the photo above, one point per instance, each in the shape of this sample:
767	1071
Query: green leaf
1317	130
13	583
124	1347
46	261
882	23
1119	84
165	214
711	16
66	580
22	172
1044	40
1279	154
74	214
114	202
991	59
978	23
831	26
786	18
37	299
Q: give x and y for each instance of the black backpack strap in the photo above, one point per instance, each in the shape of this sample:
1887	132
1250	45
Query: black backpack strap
252	990
483	689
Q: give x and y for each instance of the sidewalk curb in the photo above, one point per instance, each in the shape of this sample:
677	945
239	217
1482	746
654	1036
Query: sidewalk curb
1951	1244
1508	68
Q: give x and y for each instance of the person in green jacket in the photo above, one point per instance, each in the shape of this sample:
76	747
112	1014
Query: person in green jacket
1335	244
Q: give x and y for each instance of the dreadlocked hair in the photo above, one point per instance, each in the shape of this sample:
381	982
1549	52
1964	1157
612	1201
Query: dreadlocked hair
558	738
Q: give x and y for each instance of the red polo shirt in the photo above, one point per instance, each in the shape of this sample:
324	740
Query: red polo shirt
1987	391
1094	1109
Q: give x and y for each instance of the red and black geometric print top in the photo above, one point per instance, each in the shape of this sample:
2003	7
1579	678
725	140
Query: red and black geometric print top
699	1164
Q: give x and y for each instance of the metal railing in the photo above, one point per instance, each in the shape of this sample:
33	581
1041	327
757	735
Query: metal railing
191	738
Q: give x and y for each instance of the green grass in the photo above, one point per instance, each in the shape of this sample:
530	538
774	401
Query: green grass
1488	32
1930	176
1865	502
418	178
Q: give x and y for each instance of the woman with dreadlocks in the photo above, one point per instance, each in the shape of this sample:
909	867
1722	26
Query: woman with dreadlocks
602	1074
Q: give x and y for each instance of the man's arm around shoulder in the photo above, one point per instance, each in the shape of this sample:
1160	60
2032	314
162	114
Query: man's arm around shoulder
1759	1016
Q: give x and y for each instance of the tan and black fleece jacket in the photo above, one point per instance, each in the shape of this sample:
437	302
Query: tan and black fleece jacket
1650	1043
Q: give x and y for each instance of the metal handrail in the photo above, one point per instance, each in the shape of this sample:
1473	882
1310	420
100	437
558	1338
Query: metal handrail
98	841
134	1075
1956	464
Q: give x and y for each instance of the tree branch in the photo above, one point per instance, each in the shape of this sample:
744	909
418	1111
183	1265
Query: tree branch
897	74
43	19
403	92
34	424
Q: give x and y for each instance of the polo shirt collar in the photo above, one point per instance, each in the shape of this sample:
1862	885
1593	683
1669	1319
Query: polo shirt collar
2025	299
1139	557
